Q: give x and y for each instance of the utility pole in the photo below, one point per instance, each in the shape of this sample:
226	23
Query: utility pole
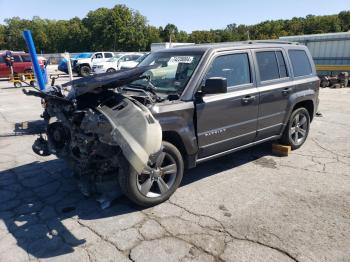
69	65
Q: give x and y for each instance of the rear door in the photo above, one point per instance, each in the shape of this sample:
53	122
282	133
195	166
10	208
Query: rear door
107	55
226	121
275	86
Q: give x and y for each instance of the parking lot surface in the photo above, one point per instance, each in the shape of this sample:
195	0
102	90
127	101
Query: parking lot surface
247	206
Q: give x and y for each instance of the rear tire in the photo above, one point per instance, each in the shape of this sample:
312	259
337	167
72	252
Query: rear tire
133	184
85	71
297	129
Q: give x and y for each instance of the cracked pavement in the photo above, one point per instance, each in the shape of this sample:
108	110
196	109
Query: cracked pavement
247	206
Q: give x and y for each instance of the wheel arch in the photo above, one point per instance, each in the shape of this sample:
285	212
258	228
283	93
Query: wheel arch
300	101
84	64
309	105
175	139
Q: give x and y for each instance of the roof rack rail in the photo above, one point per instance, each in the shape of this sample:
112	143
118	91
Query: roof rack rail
271	42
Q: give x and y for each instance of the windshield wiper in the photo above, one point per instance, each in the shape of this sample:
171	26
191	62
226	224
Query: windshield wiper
149	87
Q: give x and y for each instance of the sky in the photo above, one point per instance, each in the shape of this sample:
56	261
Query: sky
185	14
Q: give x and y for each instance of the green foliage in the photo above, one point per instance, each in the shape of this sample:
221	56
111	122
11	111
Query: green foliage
344	18
123	29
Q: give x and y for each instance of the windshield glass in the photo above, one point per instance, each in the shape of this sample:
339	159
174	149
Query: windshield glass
172	72
141	58
115	58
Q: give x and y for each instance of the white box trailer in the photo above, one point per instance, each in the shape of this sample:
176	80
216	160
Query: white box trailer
331	51
165	45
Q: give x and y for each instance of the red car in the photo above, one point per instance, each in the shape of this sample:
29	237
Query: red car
22	64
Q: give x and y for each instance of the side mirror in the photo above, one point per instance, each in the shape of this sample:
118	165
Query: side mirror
215	85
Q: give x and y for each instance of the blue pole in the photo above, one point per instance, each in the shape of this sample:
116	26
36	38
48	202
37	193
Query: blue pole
37	70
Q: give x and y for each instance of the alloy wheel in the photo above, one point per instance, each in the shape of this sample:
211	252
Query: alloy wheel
298	129
157	180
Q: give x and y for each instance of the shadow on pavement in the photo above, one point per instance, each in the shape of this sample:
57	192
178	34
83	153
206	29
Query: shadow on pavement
30	127
36	198
34	127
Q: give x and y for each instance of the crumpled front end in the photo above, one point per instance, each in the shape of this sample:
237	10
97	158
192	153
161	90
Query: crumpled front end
95	129
133	129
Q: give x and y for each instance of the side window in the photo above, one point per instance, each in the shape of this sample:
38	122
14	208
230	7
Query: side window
98	55
16	58
300	63
2	60
281	64
26	58
235	68
108	55
268	66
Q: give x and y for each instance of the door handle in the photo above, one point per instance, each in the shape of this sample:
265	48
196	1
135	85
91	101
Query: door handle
248	99
287	90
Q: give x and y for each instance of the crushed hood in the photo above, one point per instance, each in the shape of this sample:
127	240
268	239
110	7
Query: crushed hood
105	80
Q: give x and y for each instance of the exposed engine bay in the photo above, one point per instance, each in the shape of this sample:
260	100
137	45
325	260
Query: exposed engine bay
94	125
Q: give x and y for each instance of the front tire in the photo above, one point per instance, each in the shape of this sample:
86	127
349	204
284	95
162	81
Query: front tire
158	182
85	71
297	129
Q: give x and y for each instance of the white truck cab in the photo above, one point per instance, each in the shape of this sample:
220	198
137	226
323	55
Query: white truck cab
83	66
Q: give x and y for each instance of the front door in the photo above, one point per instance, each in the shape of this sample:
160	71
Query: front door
97	58
226	121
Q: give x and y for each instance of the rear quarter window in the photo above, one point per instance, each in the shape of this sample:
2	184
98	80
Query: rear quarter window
300	63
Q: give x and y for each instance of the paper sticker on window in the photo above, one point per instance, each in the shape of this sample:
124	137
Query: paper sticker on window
181	59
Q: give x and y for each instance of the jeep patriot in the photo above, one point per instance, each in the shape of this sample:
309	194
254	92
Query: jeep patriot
141	128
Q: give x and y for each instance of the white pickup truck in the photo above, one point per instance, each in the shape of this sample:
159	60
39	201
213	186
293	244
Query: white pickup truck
83	66
115	63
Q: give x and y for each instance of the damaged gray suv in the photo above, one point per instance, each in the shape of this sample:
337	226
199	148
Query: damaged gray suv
138	129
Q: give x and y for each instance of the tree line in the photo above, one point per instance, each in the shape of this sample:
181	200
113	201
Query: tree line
123	29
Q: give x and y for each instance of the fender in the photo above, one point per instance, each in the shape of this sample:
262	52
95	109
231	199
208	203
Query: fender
178	117
84	64
300	96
